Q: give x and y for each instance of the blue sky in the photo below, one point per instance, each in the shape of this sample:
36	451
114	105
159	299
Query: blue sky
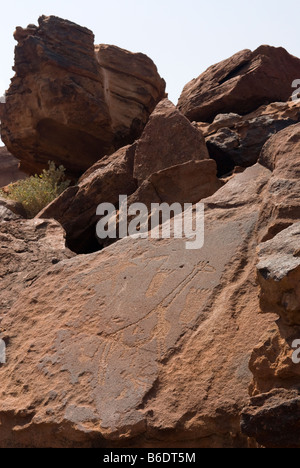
183	37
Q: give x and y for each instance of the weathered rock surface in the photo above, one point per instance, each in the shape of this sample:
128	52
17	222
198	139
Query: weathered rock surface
273	419
279	275
10	209
184	183
235	140
145	340
168	140
282	150
169	164
272	415
71	104
9	168
27	249
281	205
240	84
148	343
132	89
2	105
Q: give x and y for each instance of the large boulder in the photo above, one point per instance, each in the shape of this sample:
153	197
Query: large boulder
241	84
71	103
169	163
143	343
132	89
168	139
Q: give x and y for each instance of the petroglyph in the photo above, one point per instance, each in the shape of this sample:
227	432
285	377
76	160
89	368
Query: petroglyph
122	322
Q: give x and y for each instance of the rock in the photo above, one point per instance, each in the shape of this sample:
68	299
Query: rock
168	140
1	108
27	249
145	342
280	207
9	168
132	89
282	150
234	140
279	275
273	419
148	343
10	207
67	104
186	176
244	188
76	208
240	84
111	177
184	183
271	416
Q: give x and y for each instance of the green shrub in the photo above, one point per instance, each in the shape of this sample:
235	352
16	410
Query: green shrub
38	191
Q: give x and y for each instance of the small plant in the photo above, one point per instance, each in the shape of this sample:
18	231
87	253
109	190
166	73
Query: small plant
38	191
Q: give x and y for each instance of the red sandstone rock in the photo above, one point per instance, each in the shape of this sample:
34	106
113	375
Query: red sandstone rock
9	168
170	162
235	140
143	341
240	84
168	139
147	343
71	104
281	205
27	248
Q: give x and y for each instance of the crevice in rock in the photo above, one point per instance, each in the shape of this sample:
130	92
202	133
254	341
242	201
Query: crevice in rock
86	244
225	164
235	72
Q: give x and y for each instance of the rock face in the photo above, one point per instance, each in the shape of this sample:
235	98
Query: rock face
148	343
273	420
132	89
281	205
71	104
241	84
279	275
9	168
184	183
168	139
271	417
28	247
132	341
168	164
235	140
